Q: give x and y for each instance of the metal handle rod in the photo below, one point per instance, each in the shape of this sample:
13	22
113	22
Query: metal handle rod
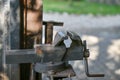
87	70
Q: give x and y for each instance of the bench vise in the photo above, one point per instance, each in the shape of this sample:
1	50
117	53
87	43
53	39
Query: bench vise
72	48
67	46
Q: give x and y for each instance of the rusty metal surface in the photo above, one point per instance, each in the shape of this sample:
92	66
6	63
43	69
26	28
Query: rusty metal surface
53	22
49	30
48	33
68	71
50	67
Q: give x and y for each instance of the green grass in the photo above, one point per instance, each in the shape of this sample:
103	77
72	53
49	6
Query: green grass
79	7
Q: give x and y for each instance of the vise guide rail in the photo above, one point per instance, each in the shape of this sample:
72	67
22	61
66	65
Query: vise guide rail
50	53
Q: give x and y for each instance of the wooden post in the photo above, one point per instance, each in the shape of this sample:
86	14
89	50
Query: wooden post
11	34
14	24
30	30
13	37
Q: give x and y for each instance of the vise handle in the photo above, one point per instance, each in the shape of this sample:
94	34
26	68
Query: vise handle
86	55
87	70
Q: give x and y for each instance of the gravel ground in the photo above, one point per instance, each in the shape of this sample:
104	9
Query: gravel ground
103	37
73	22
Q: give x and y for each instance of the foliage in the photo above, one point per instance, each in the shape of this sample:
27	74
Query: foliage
79	7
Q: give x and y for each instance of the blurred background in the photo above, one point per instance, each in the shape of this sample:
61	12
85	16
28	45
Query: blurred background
97	22
95	7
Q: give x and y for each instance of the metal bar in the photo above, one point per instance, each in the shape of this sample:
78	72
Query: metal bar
48	33
50	53
53	22
25	56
